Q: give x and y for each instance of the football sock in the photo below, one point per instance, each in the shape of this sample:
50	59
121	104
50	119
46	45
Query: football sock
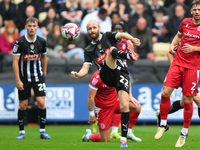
130	130
95	137
119	54
42	116
163	122
164	107
175	107
132	119
21	118
124	123
114	129
184	131
199	111
187	114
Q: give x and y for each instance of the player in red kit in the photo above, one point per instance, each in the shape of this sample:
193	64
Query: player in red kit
183	70
107	104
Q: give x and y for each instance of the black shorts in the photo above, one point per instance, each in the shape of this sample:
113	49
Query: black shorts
118	78
38	87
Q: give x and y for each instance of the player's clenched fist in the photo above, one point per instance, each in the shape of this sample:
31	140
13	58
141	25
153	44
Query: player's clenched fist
74	74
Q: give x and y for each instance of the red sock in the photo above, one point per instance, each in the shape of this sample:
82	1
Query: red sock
95	137
187	114
116	120
165	105
132	119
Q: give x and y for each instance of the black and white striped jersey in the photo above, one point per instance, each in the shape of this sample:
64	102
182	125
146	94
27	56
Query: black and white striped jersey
97	52
30	66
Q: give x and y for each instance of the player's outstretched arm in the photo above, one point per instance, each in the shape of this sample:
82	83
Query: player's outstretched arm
122	35
91	95
83	72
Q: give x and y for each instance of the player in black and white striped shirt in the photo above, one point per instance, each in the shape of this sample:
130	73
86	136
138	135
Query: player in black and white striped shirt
30	65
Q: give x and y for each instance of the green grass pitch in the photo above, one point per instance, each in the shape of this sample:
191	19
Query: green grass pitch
68	137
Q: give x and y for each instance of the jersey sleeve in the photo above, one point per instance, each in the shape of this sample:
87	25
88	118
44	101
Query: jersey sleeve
87	58
44	49
180	30
112	37
17	48
95	81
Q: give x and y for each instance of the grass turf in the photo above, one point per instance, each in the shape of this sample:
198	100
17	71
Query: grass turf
68	137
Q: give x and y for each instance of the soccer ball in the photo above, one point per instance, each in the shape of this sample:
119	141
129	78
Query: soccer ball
70	32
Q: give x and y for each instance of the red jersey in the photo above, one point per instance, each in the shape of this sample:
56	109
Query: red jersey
191	35
106	96
122	45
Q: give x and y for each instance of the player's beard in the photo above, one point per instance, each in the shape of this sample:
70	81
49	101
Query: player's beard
94	38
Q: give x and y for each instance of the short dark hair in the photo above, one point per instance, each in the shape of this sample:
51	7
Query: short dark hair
102	11
195	2
31	19
115	24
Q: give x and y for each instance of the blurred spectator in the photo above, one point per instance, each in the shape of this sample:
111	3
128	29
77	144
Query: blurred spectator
101	17
154	7
47	24
59	48
71	12
175	21
114	6
8	11
96	3
22	12
8	38
30	12
144	33
115	17
159	29
54	42
130	9
140	14
74	49
44	5
89	8
180	2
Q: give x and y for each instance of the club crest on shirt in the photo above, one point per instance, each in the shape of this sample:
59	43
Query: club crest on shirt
94	81
99	46
198	28
32	46
15	48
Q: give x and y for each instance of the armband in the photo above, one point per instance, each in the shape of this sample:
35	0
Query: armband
91	113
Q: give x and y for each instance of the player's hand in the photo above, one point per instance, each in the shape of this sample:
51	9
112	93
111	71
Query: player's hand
134	101
136	41
92	120
171	49
74	75
187	48
20	85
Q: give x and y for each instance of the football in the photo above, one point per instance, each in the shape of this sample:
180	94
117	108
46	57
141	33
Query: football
70	32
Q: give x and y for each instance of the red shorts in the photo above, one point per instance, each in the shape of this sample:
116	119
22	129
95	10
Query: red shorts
186	77
105	116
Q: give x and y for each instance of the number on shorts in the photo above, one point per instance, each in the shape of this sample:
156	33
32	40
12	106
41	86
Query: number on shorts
194	85
124	81
42	87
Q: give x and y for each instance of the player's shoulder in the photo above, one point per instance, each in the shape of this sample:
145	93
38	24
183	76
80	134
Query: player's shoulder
95	78
40	39
187	20
90	47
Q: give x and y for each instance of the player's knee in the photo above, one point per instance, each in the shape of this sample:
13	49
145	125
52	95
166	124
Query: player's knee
165	93
124	107
23	106
41	104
